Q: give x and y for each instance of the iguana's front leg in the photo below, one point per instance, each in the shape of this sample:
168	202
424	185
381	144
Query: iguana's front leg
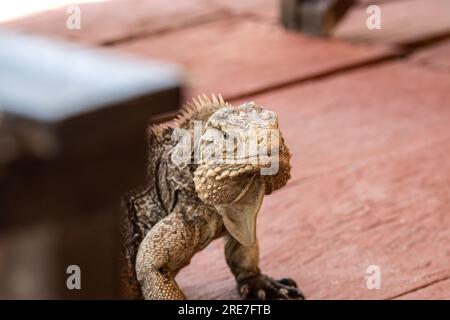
169	246
244	264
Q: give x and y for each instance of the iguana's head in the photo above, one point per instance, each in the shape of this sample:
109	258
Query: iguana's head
243	157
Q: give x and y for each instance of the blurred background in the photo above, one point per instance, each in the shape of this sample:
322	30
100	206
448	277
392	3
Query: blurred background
361	89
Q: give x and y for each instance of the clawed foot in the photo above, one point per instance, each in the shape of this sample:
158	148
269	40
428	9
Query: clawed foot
262	287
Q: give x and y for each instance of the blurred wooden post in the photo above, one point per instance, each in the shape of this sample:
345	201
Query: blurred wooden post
74	124
316	17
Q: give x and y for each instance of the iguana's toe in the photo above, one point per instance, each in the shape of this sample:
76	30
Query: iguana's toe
288	282
262	287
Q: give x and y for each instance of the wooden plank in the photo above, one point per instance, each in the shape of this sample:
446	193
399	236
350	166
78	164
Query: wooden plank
406	22
74	127
370	186
237	57
119	21
316	18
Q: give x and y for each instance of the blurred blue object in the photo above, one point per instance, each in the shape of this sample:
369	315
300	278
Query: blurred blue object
49	81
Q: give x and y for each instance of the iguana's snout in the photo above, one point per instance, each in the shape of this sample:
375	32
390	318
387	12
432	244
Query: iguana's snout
243	157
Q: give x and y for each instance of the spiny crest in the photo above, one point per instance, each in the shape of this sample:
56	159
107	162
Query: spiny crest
157	130
200	108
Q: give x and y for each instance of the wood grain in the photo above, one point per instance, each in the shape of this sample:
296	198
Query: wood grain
237	57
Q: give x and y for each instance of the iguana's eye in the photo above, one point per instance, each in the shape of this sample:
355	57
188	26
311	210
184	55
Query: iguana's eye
226	136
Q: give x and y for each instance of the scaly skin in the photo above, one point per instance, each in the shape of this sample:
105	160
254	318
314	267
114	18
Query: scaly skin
186	205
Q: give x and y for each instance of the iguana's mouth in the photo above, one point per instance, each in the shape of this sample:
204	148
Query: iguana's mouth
252	160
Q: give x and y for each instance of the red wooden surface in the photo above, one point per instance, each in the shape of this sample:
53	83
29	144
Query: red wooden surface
370	138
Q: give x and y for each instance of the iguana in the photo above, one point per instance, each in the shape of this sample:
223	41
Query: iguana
186	205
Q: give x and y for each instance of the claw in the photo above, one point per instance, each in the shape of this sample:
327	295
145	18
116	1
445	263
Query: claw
243	290
261	294
284	291
291	286
262	287
288	282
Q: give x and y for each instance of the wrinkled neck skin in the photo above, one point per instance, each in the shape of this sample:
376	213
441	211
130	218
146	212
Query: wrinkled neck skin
239	217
